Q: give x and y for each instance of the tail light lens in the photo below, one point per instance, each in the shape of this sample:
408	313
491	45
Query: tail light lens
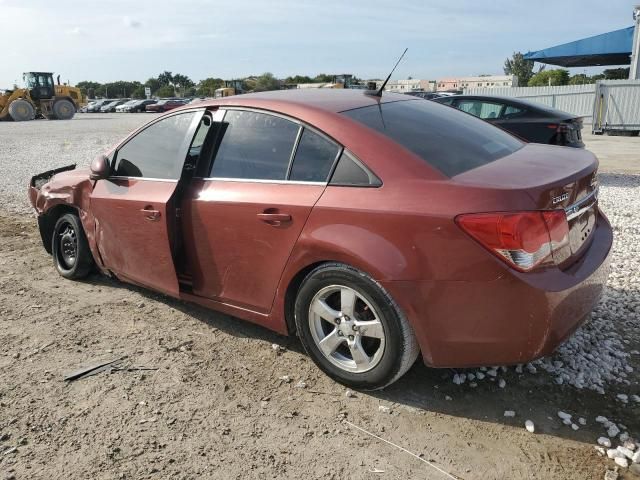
524	240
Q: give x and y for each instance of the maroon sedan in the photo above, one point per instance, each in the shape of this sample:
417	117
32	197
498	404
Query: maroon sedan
164	105
373	228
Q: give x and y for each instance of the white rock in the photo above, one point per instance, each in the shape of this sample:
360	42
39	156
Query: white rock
567	421
384	409
509	413
285	378
622	397
471	377
601	451
601	419
564	416
519	368
473	384
622	461
448	398
635	458
626	452
480	375
574	426
614	453
301	384
492	373
635	398
502	383
613	431
582	421
604	441
624	436
458	379
349	393
529	426
629	444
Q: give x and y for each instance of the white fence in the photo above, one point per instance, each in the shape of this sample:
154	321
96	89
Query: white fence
617	106
575	99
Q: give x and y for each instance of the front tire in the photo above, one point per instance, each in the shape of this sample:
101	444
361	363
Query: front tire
70	249
352	329
21	111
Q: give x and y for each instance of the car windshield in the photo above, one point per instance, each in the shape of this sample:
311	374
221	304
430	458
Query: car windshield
447	139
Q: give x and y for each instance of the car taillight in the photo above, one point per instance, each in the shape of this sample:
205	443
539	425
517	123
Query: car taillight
525	240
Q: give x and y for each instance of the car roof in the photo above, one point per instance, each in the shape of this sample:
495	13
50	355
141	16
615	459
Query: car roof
541	108
313	99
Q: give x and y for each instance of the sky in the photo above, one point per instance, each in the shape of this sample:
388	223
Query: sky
112	40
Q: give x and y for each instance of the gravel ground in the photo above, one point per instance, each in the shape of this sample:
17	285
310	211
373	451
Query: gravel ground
218	406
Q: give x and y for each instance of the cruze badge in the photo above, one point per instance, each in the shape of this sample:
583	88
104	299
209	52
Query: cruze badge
560	198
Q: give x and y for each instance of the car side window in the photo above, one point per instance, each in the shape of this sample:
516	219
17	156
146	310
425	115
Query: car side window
478	108
254	146
157	151
314	158
510	111
349	172
446	101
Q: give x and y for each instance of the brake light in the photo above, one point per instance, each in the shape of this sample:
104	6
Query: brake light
524	240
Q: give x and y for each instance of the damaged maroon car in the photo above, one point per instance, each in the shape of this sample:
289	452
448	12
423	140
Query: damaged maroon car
374	228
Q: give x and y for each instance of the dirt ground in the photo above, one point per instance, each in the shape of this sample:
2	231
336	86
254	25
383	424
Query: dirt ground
212	404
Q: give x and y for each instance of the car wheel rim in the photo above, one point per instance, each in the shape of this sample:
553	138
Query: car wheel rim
68	246
346	328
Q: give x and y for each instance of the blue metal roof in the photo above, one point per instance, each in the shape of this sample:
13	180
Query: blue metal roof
613	48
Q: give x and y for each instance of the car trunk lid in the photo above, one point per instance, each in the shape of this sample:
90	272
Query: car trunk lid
554	178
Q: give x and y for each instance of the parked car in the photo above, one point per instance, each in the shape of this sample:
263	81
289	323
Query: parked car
124	106
111	107
372	228
140	105
530	121
164	105
97	105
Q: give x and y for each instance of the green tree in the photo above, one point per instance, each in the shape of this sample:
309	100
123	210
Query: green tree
208	86
165	78
138	93
153	84
558	76
88	88
298	79
616	73
323	77
265	82
580	79
165	91
518	66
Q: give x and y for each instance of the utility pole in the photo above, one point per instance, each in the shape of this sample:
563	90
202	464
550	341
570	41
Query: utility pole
634	70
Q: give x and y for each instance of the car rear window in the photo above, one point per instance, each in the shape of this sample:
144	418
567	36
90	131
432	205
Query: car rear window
448	140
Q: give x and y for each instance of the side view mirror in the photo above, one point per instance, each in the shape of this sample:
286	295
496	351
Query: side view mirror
100	167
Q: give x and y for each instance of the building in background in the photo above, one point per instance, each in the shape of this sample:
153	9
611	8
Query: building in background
486	81
410	85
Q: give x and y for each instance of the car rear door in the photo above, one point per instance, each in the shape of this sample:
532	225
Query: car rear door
244	214
133	208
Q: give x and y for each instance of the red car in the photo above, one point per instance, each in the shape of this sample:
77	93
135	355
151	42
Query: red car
164	105
373	228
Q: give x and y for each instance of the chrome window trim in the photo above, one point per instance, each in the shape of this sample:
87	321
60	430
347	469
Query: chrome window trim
260	180
582	205
151	179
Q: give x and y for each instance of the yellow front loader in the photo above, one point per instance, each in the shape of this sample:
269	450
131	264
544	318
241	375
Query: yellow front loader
41	97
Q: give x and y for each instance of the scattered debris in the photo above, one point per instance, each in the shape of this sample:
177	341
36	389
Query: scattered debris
92	369
384	409
300	384
285	378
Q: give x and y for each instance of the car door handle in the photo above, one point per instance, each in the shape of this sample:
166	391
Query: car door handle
150	214
274	219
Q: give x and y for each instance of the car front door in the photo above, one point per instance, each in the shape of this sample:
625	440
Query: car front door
244	214
134	212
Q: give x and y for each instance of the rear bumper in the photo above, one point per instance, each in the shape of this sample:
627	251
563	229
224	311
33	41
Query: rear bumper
514	318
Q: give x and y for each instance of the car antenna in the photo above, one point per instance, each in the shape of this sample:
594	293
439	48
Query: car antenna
378	93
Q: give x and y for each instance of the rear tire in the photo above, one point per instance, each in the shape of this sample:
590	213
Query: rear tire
21	111
352	329
70	249
64	109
